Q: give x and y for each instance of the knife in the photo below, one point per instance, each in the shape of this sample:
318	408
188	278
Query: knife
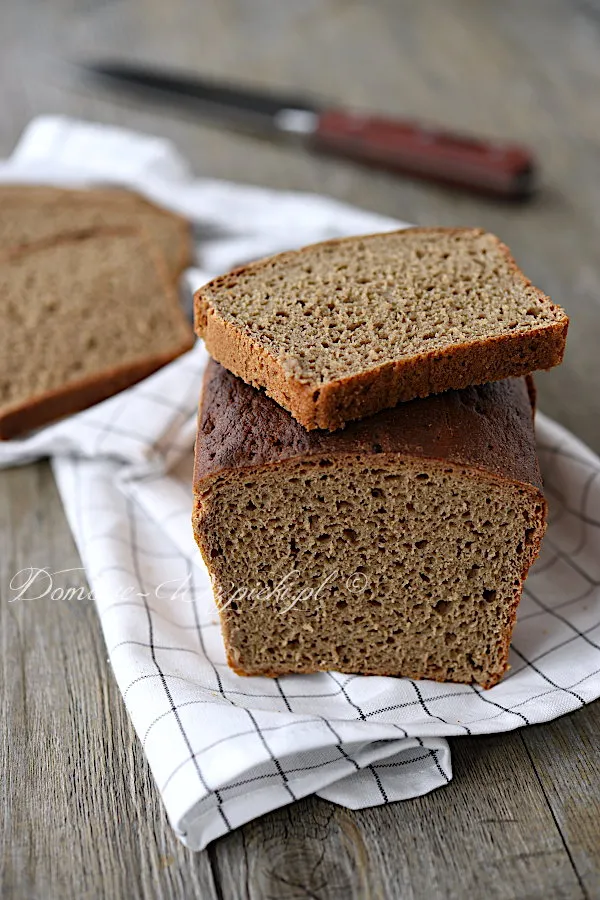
490	167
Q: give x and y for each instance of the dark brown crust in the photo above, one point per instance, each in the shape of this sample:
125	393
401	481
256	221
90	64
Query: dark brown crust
331	405
37	411
485	431
487	428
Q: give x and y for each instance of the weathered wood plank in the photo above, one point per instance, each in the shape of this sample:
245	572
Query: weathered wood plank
488	834
80	815
565	756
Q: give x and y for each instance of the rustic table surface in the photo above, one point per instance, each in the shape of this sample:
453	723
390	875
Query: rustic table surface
80	813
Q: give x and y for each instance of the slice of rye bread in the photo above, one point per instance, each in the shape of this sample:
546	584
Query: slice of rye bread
398	546
339	330
83	318
30	213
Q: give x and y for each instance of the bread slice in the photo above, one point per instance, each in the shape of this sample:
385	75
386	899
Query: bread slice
83	317
30	213
342	329
398	546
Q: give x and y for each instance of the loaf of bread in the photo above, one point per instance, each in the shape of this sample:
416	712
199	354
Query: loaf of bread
29	214
340	330
397	546
82	318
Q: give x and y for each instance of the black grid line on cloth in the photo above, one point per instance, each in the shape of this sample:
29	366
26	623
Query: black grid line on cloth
198	701
402	762
542	566
249	694
282	694
171	675
559	450
132	643
225	740
275	761
377	780
546	677
565	621
571	602
184	410
338	739
263	776
583	506
124	570
162	675
574	565
191	575
339	746
578	514
429	713
430	753
594	584
565	643
434	755
584	678
344	693
107	428
170	445
406	703
76	464
139	605
534	697
504	709
326	695
138	548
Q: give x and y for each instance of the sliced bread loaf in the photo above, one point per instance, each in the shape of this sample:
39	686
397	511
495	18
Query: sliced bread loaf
339	330
32	213
83	317
395	547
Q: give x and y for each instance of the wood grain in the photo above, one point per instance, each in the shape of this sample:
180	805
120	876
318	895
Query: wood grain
80	813
485	835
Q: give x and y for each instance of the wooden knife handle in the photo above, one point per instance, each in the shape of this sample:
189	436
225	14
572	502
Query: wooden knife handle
504	170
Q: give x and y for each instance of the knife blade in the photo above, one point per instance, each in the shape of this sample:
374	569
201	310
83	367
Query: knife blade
491	167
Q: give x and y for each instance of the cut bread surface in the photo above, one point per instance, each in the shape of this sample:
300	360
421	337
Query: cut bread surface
342	329
396	547
84	317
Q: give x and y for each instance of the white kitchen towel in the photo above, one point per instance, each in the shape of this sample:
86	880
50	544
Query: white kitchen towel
225	749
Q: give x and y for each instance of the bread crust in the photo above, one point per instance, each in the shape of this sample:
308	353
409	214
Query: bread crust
332	404
485	428
484	432
19	418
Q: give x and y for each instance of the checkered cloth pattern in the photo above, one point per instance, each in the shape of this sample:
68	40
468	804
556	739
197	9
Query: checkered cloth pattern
225	749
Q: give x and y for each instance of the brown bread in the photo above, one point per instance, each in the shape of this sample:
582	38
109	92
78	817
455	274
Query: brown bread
343	329
29	214
413	529
83	317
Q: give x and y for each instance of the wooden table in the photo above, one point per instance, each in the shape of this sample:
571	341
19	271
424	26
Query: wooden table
80	814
